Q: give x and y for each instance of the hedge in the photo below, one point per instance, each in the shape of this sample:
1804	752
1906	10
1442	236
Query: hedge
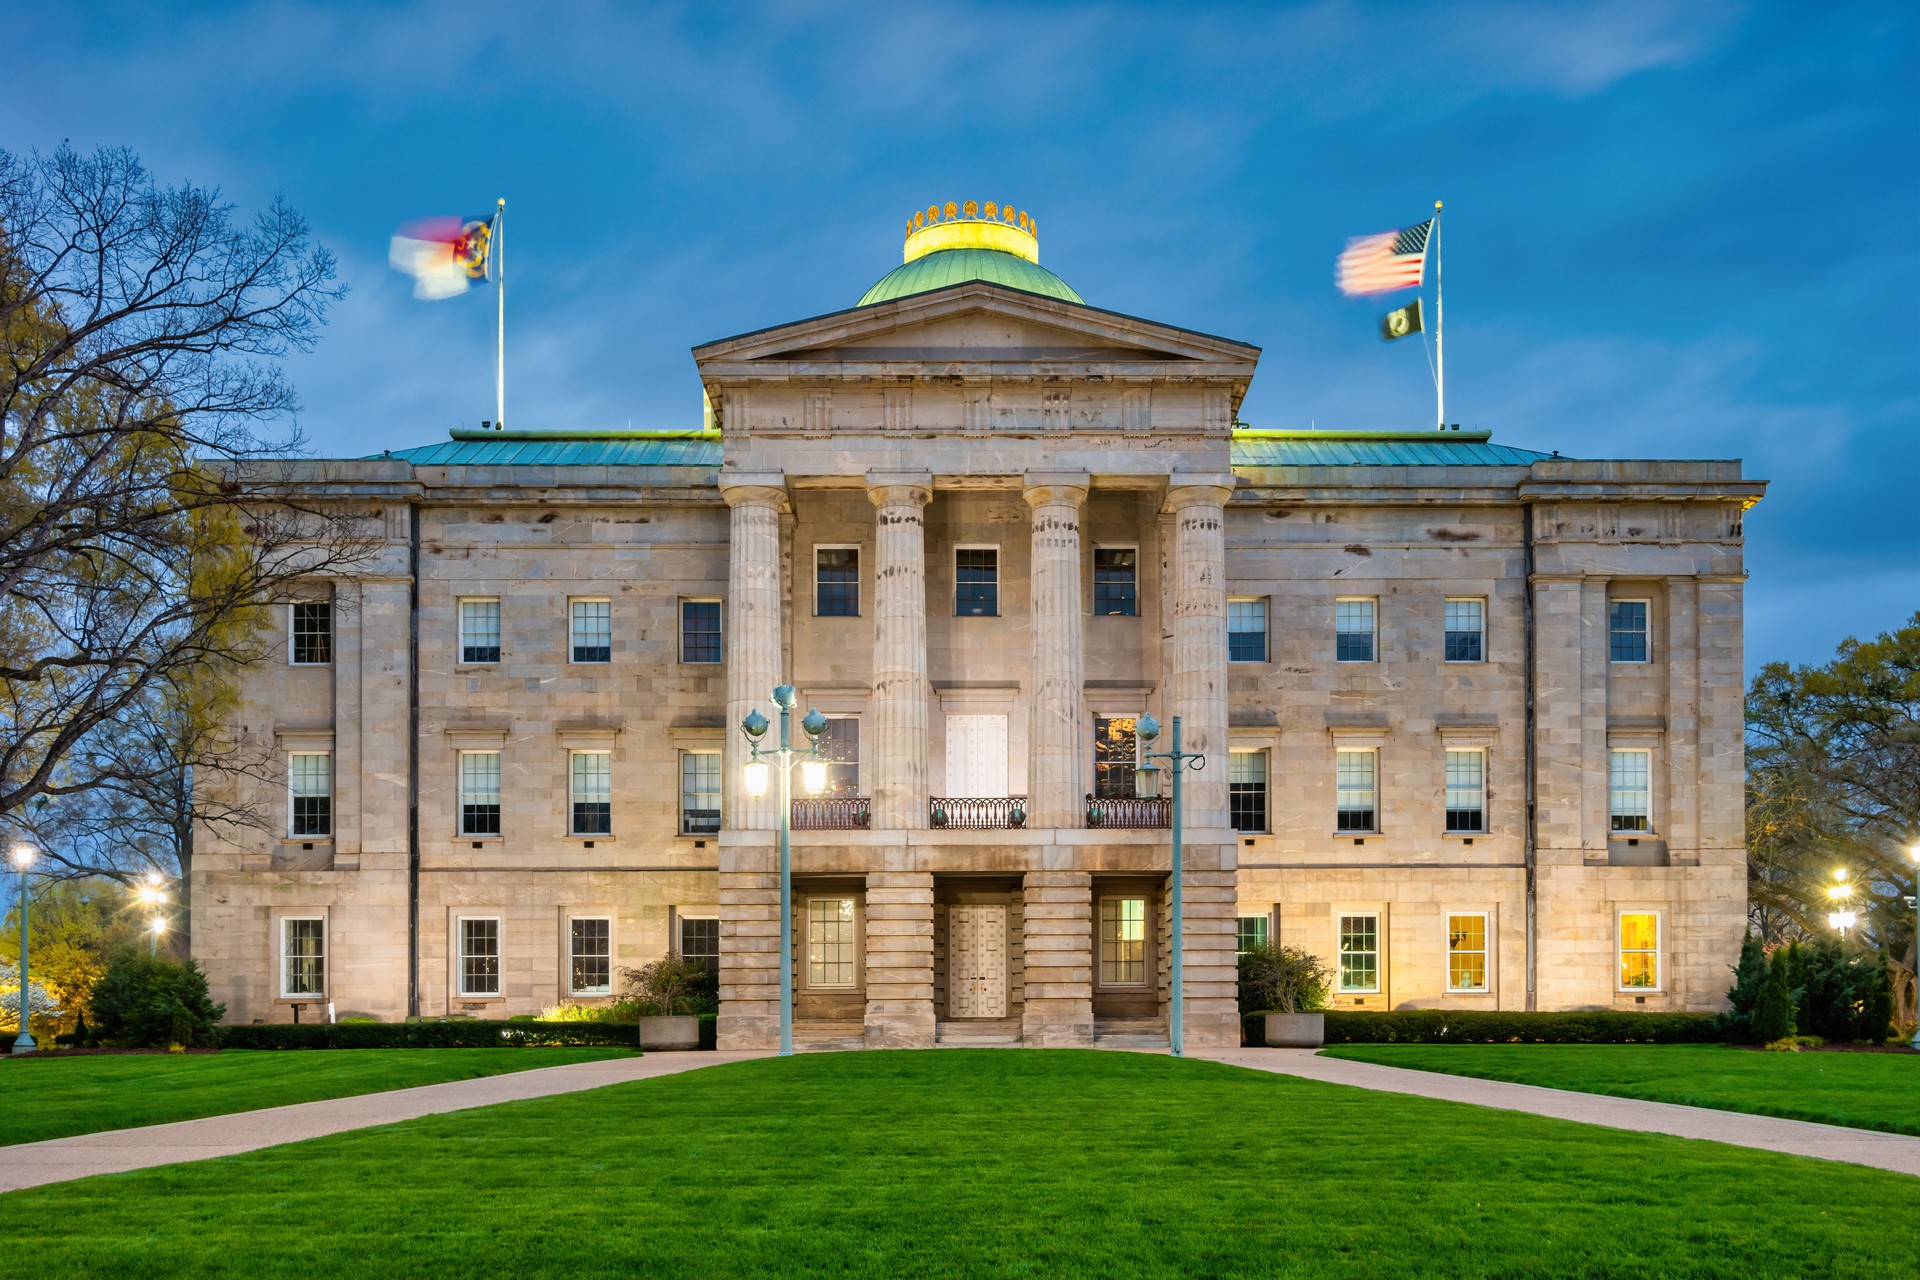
1489	1026
457	1034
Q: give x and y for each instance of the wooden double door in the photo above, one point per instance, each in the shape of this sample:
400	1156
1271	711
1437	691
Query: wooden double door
977	960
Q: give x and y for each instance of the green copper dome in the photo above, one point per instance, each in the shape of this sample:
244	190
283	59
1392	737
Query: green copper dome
957	266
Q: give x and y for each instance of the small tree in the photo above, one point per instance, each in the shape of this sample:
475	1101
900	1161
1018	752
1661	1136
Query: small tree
1749	980
673	985
1773	1011
150	1002
1280	979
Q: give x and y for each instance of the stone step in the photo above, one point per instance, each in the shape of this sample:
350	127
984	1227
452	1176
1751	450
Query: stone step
984	1034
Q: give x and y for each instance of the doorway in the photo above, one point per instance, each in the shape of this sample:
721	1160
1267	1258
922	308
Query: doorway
977	964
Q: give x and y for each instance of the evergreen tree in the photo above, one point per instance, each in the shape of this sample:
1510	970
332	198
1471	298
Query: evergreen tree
1875	1018
1773	1011
1749	979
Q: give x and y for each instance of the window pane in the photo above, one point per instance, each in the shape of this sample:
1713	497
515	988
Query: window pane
1114	585
830	942
310	783
699	631
1252	932
837	582
699	939
1246	630
592	793
305	955
1466	790
1467	953
1114	757
1359	953
1354	778
593	631
480	793
976	582
840	747
312	624
700	793
1631	791
480	957
1627	627
1123	941
592	957
479	631
1465	630
1353	630
1640	949
1247	790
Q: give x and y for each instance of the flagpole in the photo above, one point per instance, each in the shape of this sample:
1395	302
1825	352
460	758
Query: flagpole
1439	330
499	250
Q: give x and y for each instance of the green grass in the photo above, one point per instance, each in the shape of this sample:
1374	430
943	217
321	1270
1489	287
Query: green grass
988	1163
59	1097
1864	1090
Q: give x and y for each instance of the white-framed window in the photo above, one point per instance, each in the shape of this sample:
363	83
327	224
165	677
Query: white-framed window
1252	932
1631	791
1247	790
1466	629
699	938
976	582
1247	629
1123	942
1627	634
478	955
1639	951
303	957
1353	628
591	793
700	643
479	793
590	956
310	633
832	942
1467	951
479	630
836	582
1466	789
590	629
1359	953
839	745
310	793
1357	789
699	793
1116	582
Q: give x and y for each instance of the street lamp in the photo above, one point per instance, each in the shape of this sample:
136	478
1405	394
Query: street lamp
151	896
155	927
23	856
1146	783
1914	851
813	776
1840	896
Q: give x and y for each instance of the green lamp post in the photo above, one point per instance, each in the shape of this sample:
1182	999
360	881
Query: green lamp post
1146	783
23	856
813	775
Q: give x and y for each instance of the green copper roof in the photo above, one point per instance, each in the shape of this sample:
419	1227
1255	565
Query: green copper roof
957	266
1376	449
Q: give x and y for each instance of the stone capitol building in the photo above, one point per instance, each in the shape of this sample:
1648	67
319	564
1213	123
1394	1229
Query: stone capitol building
1472	714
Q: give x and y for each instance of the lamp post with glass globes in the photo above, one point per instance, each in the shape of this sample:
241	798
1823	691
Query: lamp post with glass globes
23	856
813	776
1146	784
1840	898
1914	851
151	896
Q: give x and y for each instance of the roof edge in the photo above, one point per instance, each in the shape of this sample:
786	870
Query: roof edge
663	433
1263	433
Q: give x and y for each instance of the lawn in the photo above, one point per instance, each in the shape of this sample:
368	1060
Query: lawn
59	1097
1865	1090
988	1163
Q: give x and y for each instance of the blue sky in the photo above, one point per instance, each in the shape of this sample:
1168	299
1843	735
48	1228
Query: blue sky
1674	230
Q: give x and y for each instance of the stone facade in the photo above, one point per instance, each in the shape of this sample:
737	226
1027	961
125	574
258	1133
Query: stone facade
1077	446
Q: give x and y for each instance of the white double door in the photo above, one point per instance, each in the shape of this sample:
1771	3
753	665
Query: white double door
976	756
977	960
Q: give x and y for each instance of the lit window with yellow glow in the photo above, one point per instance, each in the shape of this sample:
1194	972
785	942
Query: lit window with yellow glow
1123	942
1639	951
1467	953
830	942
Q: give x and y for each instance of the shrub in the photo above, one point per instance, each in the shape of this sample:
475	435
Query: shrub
1749	980
1794	1044
619	1011
1488	1026
1277	979
468	1033
150	1002
1773	1011
673	985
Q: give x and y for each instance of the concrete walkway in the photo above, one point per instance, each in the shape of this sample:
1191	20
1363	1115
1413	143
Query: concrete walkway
33	1164
1792	1137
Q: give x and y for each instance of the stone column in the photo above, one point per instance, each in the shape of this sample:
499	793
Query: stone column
1059	739
1058	1011
900	960
1197	678
752	624
897	751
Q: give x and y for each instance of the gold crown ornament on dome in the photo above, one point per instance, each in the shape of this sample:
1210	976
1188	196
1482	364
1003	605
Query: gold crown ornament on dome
972	225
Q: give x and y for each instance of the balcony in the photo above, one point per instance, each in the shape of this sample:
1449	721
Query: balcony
977	813
1129	813
833	813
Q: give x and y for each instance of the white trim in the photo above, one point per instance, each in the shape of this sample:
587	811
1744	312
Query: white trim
859	577
571	917
680	630
1452	748
1613	600
1486	952
1266	629
1148	959
857	942
280	956
680	755
326	754
1653	825
1374	643
1342	749
1659	951
1093	556
460	791
291	660
999	579
460	604
458	952
572	754
1444	602
1379	952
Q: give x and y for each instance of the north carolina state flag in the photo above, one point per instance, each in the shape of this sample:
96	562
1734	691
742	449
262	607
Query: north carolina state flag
445	256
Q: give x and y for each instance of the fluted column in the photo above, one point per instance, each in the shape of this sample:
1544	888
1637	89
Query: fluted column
753	637
1197	682
1058	736
898	752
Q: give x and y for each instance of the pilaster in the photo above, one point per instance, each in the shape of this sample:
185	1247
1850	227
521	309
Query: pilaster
900	689
1197	681
1059	736
753	634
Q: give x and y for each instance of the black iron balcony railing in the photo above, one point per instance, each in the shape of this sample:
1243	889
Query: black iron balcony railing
1129	813
977	813
832	813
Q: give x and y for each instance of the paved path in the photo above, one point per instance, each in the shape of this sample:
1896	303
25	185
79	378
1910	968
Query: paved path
1767	1133
32	1164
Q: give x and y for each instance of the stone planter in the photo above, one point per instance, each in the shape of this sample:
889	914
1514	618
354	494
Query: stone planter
670	1033
1296	1030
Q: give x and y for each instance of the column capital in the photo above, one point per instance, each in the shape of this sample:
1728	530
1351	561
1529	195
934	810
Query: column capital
1056	488
888	488
760	489
1188	490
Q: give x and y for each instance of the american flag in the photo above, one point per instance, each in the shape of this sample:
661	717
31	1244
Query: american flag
1385	262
